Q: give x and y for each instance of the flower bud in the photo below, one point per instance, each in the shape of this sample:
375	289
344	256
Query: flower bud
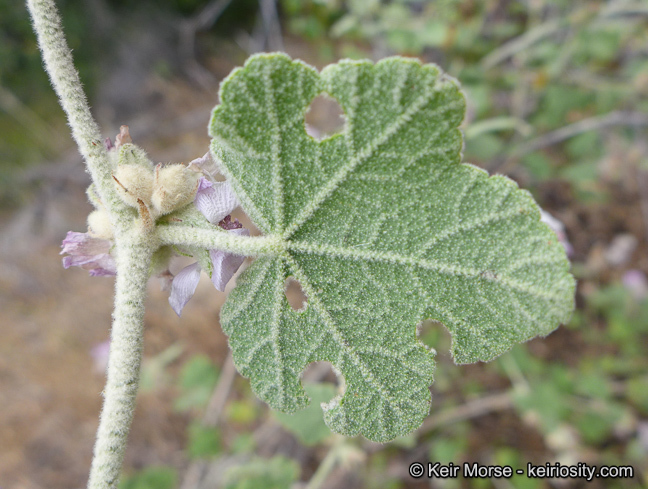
134	182
174	187
99	225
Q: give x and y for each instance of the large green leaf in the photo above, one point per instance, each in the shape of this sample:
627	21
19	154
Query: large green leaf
383	227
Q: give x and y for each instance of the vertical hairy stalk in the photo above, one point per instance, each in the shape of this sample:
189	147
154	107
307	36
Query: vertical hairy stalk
133	261
134	249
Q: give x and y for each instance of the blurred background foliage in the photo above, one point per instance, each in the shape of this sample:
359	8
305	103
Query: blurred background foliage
557	95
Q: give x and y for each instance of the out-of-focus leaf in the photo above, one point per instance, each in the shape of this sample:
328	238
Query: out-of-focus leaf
308	424
275	473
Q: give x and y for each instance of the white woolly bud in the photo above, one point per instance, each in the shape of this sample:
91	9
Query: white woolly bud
133	183
174	187
99	225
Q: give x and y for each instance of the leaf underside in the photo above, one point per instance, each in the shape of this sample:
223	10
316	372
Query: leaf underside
383	227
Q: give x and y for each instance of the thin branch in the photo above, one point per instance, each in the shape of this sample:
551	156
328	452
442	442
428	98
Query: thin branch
187	41
526	40
221	393
470	410
642	183
271	25
203	20
498	124
327	465
618	118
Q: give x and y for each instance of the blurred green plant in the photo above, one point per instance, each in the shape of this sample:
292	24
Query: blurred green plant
626	319
277	472
151	478
196	383
203	441
154	370
308	424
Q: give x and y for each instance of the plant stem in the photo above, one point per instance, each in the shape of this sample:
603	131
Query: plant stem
327	465
217	239
133	261
134	248
65	80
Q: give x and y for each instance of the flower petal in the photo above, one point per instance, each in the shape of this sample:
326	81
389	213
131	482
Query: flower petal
103	266
84	244
97	265
215	200
89	253
225	264
207	163
183	287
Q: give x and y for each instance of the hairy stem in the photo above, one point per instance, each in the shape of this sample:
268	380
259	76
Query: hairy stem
133	261
217	239
134	248
65	80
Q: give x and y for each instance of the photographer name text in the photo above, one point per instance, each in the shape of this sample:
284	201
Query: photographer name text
555	470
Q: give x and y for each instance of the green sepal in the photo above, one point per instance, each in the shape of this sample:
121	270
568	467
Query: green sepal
131	154
202	257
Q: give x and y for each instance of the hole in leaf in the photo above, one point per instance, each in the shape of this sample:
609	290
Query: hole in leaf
435	336
295	295
320	372
324	117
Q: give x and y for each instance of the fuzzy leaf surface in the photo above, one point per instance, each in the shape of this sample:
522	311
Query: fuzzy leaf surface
382	226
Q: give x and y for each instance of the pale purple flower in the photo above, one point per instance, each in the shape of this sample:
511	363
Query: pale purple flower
224	266
92	254
636	282
183	287
216	201
207	164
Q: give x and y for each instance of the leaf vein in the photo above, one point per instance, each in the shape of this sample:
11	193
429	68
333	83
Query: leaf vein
252	292
337	335
361	156
469	226
357	254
